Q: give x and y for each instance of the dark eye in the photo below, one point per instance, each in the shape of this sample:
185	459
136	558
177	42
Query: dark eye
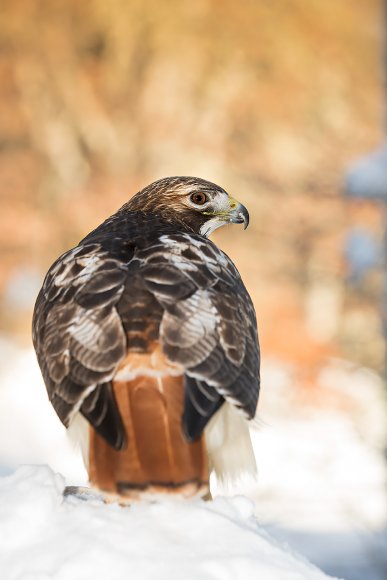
199	198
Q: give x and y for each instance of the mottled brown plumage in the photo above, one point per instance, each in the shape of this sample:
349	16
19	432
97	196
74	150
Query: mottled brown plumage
146	329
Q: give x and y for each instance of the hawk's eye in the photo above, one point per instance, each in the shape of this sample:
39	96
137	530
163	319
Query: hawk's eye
199	198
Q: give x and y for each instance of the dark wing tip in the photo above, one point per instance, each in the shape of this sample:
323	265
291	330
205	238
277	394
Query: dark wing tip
100	409
200	404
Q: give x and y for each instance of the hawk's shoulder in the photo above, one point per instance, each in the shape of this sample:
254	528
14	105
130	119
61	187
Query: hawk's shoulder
78	335
208	324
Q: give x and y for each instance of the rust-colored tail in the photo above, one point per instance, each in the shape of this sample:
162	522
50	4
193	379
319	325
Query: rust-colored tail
157	459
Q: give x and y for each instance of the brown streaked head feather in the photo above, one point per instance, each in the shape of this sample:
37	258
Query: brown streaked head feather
167	192
169	198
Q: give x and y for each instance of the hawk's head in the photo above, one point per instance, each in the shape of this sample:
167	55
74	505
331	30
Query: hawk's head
200	205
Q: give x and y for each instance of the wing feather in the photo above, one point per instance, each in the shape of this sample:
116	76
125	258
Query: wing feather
79	337
210	331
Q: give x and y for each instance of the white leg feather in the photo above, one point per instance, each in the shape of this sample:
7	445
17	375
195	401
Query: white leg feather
229	446
78	434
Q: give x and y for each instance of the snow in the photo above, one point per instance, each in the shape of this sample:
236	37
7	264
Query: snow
321	490
30	431
322	474
45	536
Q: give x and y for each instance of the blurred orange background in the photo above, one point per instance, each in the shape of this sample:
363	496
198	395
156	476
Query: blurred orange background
273	101
270	100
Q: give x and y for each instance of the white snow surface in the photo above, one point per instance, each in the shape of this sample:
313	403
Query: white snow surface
44	536
321	488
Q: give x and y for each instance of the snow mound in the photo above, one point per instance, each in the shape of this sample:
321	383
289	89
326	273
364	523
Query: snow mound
44	536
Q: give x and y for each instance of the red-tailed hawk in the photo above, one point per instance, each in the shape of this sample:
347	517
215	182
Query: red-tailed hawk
146	330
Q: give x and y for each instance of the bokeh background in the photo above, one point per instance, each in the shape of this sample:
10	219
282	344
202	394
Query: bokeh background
273	101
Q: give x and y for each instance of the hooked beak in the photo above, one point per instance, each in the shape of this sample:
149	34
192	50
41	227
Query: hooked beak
238	214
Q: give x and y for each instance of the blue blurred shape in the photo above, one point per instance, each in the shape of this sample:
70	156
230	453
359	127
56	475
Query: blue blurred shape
362	252
367	177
